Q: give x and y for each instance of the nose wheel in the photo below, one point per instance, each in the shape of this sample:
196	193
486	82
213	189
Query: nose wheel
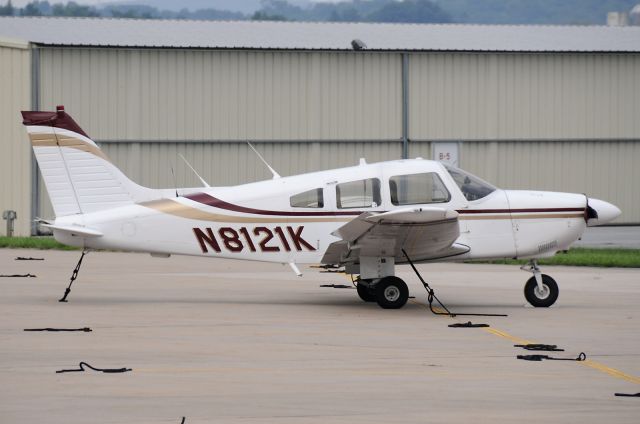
540	290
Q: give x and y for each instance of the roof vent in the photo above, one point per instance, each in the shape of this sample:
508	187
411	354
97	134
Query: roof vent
634	15
362	161
60	108
358	44
617	19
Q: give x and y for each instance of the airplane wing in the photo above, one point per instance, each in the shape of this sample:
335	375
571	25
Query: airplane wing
424	233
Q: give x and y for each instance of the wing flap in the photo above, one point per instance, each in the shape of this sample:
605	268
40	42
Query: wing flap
424	233
414	215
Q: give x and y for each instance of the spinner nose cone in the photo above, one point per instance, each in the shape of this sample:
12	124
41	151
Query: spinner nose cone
605	212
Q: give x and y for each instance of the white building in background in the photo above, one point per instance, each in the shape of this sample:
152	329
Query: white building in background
546	107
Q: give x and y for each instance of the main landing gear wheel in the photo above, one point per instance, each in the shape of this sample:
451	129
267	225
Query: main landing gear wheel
391	293
365	293
541	298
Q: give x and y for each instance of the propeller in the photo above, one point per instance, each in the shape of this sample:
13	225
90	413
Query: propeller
599	212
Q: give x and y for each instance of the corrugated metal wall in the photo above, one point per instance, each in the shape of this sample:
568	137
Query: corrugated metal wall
151	163
15	156
471	96
317	110
225	95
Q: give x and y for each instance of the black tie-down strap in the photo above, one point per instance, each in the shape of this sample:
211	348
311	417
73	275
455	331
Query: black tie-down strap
628	394
74	275
19	275
105	370
432	296
468	324
22	258
84	329
337	286
580	358
540	347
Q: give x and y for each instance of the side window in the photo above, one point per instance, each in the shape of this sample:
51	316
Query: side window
308	199
358	194
417	189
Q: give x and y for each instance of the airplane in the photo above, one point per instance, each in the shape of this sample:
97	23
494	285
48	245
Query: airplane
366	218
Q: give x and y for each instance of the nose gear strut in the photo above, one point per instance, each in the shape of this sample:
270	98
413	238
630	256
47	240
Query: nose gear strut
540	290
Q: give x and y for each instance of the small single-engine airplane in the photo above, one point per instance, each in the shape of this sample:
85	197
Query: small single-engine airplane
366	218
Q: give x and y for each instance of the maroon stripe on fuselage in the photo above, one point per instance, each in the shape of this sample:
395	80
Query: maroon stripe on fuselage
209	200
470	211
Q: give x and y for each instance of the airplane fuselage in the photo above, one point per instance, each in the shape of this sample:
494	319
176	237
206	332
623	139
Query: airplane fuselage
258	221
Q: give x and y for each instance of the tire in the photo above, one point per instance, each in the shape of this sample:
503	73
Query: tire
391	293
541	300
365	293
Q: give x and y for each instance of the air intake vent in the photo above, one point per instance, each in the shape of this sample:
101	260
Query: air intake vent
545	247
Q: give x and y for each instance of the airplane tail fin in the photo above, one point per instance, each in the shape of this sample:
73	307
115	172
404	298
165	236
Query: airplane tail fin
78	176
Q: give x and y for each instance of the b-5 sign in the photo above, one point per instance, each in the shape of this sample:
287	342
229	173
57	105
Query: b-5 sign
447	153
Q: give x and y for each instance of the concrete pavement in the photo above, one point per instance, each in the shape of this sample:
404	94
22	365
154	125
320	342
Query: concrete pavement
235	342
610	237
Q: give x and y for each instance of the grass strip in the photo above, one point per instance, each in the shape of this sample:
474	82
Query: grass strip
42	243
581	256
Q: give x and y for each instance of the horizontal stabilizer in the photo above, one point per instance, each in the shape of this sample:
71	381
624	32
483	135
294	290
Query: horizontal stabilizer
75	230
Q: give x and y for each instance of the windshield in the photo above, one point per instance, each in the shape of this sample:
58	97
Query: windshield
471	186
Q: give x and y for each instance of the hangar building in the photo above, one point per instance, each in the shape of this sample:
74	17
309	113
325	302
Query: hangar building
535	107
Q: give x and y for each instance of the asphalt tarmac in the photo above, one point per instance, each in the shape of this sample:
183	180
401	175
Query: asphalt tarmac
626	237
221	341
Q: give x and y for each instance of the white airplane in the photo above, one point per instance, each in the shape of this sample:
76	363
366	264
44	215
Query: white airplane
366	218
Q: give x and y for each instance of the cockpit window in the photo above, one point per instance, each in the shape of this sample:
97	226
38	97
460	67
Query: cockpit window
308	199
472	187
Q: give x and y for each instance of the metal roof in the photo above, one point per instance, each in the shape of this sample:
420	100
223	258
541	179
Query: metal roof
318	36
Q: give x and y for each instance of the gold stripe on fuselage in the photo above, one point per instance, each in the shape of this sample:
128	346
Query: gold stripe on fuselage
175	208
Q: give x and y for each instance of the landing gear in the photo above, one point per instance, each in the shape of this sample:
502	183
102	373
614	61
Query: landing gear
540	290
391	292
365	292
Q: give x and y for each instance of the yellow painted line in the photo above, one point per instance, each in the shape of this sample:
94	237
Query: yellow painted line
588	363
506	335
517	340
611	371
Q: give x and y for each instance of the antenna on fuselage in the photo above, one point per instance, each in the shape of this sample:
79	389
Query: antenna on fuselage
175	182
273	171
194	171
